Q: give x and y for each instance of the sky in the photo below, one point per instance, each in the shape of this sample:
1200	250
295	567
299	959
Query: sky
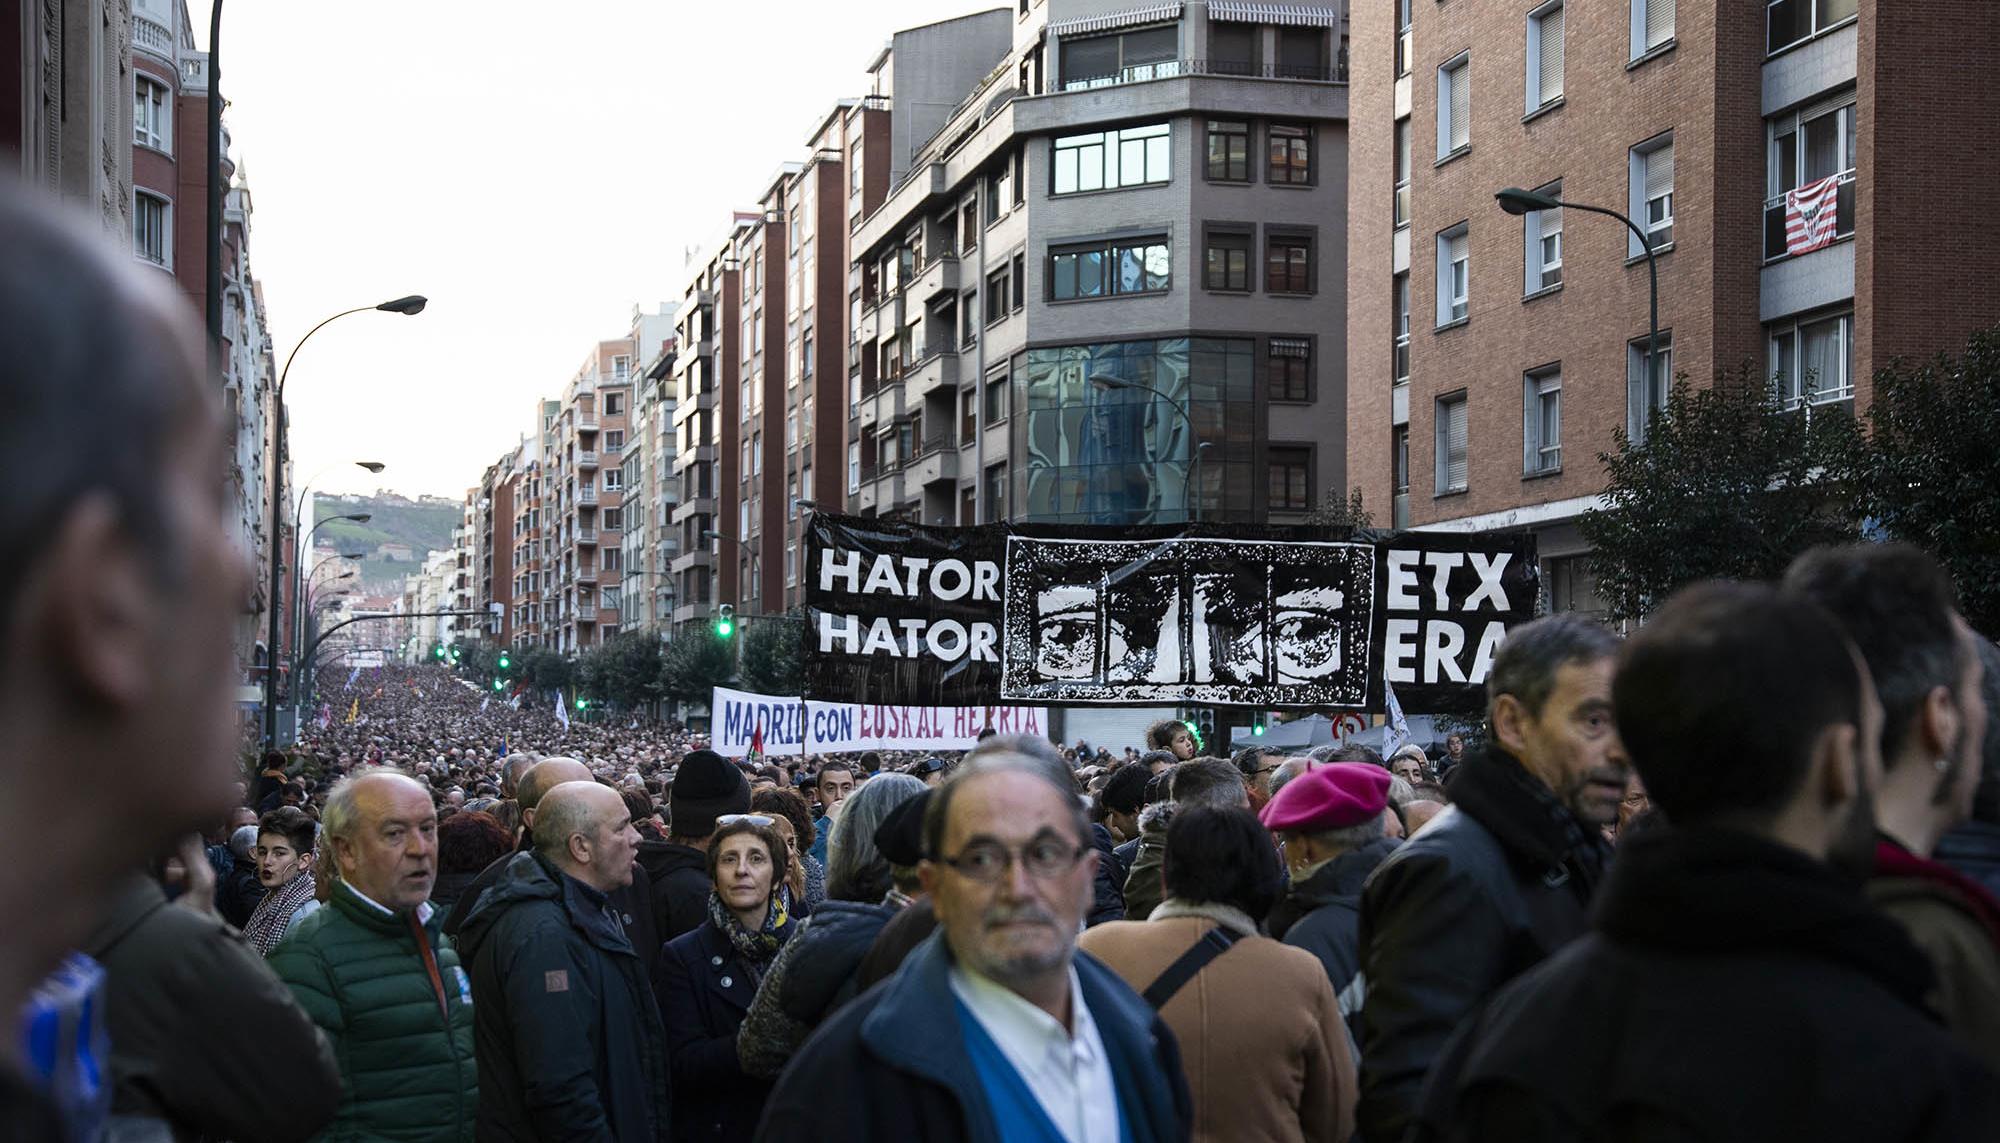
534	168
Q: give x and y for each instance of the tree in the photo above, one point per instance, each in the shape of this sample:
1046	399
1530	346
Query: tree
1934	467
774	655
1728	483
624	670
695	663
545	669
1352	514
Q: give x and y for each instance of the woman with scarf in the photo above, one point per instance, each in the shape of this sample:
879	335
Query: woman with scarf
707	978
285	869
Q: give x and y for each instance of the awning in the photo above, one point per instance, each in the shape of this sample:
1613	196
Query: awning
1295	15
1130	17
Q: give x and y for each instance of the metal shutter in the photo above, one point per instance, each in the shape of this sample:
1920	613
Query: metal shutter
1456	454
1660	171
1659	22
1459	79
1551	64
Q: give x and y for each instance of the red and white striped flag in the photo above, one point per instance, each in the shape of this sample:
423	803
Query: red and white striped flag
1812	215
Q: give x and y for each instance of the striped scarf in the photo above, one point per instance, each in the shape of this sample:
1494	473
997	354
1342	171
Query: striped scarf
266	926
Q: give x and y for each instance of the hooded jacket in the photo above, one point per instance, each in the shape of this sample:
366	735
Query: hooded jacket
1956	924
1143	889
569	1038
680	888
633	904
1322	915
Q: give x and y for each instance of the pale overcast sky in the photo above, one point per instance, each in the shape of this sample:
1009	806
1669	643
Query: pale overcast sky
534	168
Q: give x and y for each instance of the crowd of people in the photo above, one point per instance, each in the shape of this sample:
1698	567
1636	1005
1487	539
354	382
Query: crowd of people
1731	876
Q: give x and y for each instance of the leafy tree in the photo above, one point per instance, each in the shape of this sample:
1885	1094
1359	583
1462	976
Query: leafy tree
623	670
695	663
1728	483
1934	467
544	668
774	654
1351	514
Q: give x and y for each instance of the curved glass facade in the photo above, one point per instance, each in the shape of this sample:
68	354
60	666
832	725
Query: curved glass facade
1088	452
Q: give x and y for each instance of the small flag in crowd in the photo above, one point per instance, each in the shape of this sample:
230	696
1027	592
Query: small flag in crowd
351	676
1812	215
1399	727
757	742
483	704
354	710
562	712
325	715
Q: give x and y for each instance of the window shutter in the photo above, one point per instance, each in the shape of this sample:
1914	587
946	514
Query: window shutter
1659	22
1659	171
1456	453
1454	250
1551	56
1461	105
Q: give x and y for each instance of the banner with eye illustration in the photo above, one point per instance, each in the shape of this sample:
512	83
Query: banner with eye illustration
1079	615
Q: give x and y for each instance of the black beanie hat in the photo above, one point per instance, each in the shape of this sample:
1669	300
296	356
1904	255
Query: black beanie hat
900	837
1125	791
706	786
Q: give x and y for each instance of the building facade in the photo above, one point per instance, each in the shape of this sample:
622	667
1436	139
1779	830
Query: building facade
1495	356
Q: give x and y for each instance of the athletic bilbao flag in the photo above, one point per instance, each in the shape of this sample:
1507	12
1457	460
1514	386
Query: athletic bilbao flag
1812	215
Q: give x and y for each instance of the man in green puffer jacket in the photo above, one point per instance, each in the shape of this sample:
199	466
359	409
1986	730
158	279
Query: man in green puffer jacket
373	970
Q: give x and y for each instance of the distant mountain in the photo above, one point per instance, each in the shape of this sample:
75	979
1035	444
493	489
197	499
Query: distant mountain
399	534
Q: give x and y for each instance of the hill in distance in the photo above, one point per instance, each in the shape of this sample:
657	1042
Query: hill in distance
399	534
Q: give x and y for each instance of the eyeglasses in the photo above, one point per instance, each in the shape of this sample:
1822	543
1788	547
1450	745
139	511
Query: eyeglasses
753	819
1045	858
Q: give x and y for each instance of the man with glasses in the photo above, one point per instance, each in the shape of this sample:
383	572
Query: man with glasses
994	1027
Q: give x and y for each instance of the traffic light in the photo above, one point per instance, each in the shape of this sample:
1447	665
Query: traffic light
499	684
1257	726
438	652
505	662
725	622
581	702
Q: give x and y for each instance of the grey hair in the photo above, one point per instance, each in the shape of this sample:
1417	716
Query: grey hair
1527	662
1400	791
1352	837
243	843
337	817
855	869
1006	753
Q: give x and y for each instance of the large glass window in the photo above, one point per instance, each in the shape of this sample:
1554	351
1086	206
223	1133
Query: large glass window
1109	433
1809	171
1125	57
1105	160
1098	271
1789	21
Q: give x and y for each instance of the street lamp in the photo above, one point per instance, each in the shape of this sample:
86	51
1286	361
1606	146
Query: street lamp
1516	201
408	305
1189	505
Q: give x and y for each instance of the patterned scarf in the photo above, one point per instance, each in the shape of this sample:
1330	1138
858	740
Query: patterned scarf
757	949
267	924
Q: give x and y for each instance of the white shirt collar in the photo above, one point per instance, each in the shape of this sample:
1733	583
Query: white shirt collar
1068	1069
424	910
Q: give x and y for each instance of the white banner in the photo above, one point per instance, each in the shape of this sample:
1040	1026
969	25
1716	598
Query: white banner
795	726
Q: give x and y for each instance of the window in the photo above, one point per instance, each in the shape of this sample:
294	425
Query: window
1454	276
614	519
792	431
855	168
1226	259
1405	48
853	467
612	559
1290	150
1790	21
996	295
1652	25
996	492
1808	148
969	228
1812	362
1228	151
1545	55
1403	171
1399	476
1288	263
1232	48
151	238
614	480
614	440
1288	369
1454	109
996	396
968	311
1302	54
152	114
756	454
1130	266
1542	252
621	369
791	565
614	404
1290	479
1128	57
1646	389
968	415
1652	179
999	192
1541	422
1019	269
1107	160
1452	452
1400	295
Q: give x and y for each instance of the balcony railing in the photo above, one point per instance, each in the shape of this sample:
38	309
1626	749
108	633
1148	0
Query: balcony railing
1774	217
586	458
1335	72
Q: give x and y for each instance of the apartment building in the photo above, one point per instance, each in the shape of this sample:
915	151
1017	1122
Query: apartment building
649	541
1770	154
493	504
533	546
705	351
1105	285
65	97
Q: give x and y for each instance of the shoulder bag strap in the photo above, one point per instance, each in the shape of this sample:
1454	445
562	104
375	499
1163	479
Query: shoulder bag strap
1212	944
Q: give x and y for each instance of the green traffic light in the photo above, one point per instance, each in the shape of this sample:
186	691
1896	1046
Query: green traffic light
504	661
580	704
725	628
1258	730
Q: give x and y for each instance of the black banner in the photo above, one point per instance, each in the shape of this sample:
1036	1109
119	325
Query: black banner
1098	615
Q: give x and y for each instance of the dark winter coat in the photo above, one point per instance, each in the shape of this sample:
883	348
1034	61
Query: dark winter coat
1734	989
1125	853
205	1039
1322	915
1480	896
813	974
1108	889
1974	850
1955	923
704	989
237	896
899	938
681	886
1143	888
893	1065
570	1043
633	904
403	1036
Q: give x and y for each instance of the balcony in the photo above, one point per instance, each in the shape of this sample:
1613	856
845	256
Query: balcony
691	612
936	463
883	319
586	422
586	575
936	369
587	537
885	405
586	459
1336	72
587	497
939	275
689	560
1774	217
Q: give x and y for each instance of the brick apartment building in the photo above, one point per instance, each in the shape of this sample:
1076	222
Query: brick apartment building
1492	356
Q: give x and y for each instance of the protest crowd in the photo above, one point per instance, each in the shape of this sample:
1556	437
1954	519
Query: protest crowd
1731	876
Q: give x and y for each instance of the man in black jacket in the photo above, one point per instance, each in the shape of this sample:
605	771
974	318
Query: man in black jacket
1735	987
706	786
567	1032
1505	876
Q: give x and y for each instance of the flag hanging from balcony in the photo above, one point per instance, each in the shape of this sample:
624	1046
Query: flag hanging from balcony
1812	215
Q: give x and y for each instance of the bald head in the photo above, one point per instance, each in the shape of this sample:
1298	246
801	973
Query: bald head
584	829
546	775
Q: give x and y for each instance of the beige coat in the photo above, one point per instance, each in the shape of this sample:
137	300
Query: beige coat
1260	1032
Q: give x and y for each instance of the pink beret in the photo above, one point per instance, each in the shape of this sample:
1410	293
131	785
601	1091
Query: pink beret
1332	796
